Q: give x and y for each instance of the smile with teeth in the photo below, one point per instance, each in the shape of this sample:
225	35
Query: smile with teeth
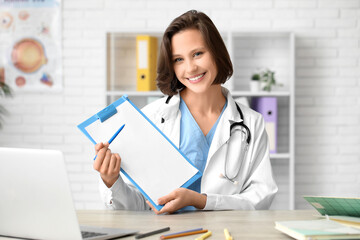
196	78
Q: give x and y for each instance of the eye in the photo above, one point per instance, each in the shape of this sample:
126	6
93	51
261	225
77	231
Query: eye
177	60
198	54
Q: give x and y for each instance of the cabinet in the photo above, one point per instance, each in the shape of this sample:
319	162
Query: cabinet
249	51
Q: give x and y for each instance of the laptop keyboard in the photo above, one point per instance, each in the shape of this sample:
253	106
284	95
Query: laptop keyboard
90	234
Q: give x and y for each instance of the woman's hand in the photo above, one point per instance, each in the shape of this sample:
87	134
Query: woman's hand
178	199
107	164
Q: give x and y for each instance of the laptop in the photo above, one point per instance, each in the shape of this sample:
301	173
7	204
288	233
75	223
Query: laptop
36	201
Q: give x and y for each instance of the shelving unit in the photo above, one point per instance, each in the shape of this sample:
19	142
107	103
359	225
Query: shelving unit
249	51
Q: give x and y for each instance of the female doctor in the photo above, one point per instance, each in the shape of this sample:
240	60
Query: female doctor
225	140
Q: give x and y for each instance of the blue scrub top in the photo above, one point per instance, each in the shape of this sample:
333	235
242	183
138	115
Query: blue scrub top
193	143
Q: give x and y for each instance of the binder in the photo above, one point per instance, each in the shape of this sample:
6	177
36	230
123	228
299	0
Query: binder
151	162
267	106
146	58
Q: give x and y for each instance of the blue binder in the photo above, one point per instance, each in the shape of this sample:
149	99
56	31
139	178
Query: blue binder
151	162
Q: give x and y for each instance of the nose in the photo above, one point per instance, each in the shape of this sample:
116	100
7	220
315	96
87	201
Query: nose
191	66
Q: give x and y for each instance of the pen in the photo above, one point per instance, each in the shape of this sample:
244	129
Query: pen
202	237
227	234
152	233
181	234
114	136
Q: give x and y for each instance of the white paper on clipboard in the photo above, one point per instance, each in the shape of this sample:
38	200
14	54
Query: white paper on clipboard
148	158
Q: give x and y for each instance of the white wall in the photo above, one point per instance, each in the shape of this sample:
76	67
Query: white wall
327	84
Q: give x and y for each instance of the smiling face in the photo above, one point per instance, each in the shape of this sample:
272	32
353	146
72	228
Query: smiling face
193	63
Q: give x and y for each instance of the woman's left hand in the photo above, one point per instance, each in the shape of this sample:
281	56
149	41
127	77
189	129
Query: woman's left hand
178	199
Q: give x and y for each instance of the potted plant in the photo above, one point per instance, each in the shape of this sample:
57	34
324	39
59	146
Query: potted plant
5	91
265	80
255	82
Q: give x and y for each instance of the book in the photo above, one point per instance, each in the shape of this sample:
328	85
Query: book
317	229
349	221
335	205
340	220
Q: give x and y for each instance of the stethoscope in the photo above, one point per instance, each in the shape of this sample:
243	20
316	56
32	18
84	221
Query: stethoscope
241	128
236	127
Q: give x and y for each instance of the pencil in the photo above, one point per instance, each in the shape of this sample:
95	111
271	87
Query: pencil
227	234
206	235
183	234
152	233
190	230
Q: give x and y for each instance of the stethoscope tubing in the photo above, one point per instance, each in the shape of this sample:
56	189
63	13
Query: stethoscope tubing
248	139
242	124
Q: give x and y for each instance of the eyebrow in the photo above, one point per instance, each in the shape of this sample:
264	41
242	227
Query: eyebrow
192	51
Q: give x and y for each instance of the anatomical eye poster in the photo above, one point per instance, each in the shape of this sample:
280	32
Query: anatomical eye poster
30	45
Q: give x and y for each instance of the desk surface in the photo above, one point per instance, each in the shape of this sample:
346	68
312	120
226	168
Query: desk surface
241	224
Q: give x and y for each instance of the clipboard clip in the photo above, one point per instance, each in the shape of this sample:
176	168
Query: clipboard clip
106	113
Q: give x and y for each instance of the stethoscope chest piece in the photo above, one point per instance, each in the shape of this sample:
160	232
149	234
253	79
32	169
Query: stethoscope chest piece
231	180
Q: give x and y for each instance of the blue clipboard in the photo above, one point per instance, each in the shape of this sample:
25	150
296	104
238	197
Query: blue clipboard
151	162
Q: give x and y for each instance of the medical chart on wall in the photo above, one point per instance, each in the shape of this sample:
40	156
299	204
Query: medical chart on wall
30	45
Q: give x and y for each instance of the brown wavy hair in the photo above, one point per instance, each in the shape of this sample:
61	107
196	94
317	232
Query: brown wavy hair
166	79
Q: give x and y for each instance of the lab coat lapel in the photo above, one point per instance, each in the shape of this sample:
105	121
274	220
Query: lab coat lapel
171	114
222	133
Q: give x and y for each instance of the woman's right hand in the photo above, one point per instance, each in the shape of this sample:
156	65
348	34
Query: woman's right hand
107	164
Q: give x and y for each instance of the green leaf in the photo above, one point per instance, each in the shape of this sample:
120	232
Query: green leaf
5	91
255	77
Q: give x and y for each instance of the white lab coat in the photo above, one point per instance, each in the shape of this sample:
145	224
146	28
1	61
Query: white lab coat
256	187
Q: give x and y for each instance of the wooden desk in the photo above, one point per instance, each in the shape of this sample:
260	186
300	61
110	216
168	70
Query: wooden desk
241	224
